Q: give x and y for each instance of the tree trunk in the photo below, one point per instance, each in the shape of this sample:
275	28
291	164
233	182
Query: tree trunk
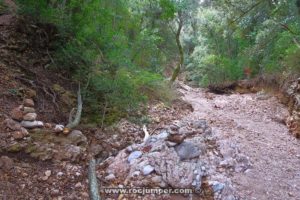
180	49
76	121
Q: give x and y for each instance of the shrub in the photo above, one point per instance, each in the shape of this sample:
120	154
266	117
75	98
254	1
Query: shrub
104	47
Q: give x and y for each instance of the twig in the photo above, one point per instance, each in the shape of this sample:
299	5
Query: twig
52	96
50	57
30	82
42	87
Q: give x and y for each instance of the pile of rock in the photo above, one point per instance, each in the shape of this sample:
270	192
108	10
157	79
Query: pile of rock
178	157
41	143
168	159
22	117
26	114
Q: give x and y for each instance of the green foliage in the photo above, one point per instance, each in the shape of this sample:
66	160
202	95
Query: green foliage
118	49
235	35
216	70
168	8
112	48
292	60
3	7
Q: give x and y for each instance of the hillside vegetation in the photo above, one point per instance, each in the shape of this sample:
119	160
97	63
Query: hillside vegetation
120	51
238	39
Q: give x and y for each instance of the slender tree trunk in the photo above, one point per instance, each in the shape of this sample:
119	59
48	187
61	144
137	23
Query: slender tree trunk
76	121
180	49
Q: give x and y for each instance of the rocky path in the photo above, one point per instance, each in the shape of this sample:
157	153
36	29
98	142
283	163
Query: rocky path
251	124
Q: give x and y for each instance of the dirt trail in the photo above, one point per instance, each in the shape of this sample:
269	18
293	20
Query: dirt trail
252	127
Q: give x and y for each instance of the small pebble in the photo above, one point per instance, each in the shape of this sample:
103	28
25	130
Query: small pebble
48	173
110	177
77	174
148	169
78	185
60	174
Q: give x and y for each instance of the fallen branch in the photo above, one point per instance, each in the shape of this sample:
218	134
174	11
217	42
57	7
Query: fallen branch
93	184
76	121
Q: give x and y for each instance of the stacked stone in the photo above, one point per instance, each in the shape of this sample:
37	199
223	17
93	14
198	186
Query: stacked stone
26	115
